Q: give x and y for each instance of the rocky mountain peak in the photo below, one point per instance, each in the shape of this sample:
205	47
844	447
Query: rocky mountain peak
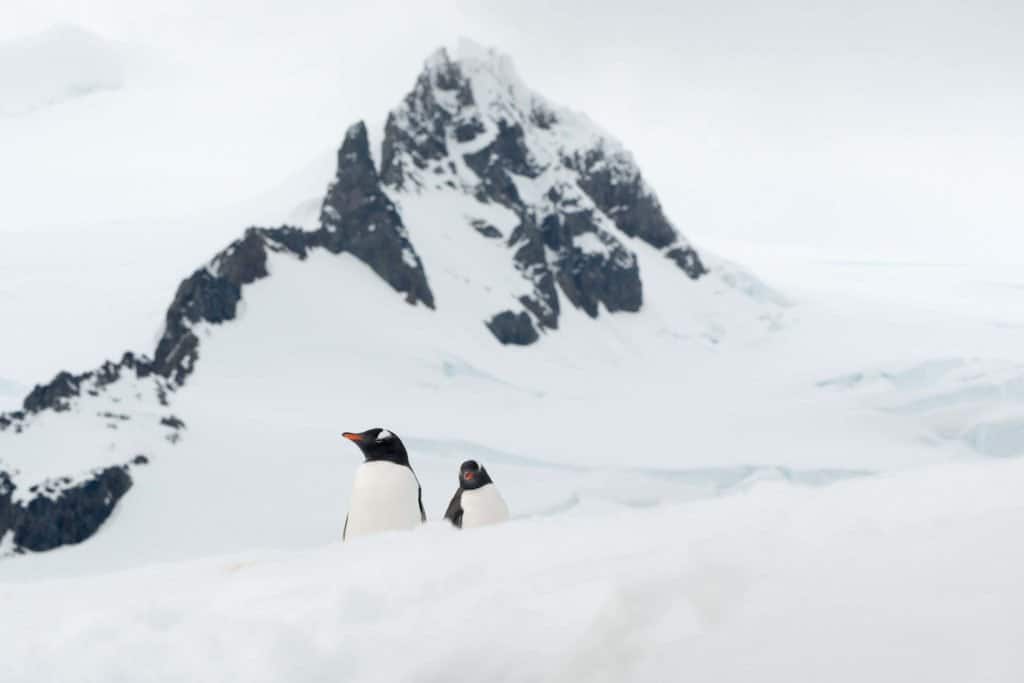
470	125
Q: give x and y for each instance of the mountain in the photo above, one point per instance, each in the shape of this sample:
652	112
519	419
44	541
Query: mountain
505	258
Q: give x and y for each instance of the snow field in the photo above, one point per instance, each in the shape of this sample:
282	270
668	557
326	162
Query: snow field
903	577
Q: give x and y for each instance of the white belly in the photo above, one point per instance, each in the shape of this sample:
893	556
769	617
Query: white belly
483	506
385	497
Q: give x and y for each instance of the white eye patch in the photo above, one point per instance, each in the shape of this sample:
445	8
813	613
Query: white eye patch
384	435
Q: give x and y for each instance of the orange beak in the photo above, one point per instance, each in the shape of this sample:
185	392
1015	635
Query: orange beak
469	476
353	437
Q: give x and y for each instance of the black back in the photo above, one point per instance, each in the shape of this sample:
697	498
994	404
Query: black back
454	512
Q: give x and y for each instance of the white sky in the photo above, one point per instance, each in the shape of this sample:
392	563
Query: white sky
888	129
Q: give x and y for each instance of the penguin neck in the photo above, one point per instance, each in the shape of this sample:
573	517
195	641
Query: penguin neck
402	460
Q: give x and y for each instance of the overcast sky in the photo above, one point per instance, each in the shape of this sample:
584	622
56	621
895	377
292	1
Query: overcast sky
871	128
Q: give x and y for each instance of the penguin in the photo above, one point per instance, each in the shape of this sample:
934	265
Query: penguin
476	502
386	495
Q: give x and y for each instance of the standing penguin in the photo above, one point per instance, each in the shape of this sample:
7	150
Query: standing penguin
386	494
477	501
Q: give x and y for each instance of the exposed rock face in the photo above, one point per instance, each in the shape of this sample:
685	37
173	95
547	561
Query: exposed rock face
357	217
688	261
59	512
513	328
202	297
415	133
495	163
620	192
57	394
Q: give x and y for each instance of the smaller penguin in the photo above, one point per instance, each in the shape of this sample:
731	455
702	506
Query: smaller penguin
386	494
477	501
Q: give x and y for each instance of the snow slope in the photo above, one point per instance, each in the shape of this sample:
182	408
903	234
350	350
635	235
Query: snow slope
11	394
884	579
60	64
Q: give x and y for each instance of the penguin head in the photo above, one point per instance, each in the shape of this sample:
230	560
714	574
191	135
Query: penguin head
379	444
472	476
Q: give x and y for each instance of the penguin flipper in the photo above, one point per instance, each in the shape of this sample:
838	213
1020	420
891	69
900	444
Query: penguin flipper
423	513
454	511
345	529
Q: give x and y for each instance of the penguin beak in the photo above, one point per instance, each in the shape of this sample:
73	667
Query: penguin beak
470	476
353	437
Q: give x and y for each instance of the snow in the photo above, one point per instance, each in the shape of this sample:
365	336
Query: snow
882	579
11	394
60	64
977	401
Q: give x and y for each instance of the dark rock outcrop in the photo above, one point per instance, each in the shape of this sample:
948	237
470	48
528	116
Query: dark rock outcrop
57	394
531	261
620	194
688	261
358	218
591	278
506	153
415	134
618	189
172	422
486	229
513	328
202	297
60	513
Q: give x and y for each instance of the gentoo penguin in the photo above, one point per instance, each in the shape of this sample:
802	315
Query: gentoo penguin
477	501
386	494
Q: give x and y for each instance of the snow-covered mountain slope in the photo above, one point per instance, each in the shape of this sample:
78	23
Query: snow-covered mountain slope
909	577
533	267
60	64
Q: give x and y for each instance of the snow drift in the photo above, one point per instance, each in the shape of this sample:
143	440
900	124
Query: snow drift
883	579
